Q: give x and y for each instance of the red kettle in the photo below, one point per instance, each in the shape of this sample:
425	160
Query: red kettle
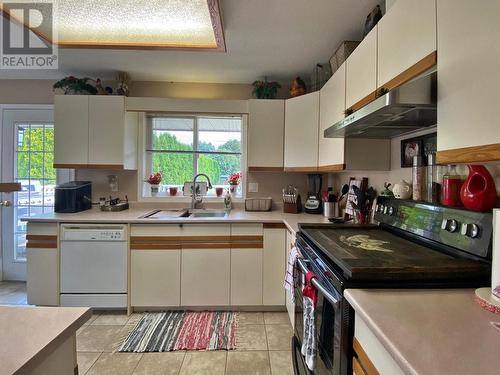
478	193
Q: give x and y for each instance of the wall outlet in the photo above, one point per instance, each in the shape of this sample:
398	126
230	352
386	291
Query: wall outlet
253	187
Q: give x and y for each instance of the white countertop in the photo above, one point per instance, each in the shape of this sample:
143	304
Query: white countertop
429	331
134	214
28	334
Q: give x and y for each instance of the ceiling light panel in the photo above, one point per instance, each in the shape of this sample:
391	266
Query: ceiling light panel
190	24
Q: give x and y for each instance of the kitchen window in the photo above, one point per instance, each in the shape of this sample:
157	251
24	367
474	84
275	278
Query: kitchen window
179	147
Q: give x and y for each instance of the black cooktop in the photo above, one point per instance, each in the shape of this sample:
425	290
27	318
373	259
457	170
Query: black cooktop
371	252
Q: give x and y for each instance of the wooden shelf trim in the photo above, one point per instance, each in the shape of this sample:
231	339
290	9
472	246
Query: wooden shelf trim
331	168
114	167
475	154
413	71
195	242
367	99
301	169
9	187
39	241
265	169
362	358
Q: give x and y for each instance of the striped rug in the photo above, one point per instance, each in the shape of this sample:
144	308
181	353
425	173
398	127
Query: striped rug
182	330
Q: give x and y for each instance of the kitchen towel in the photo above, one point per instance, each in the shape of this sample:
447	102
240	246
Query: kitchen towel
309	344
290	275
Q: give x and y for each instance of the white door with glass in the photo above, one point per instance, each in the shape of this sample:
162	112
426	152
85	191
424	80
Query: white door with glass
27	157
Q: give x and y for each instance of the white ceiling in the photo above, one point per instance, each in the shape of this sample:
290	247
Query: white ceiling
274	38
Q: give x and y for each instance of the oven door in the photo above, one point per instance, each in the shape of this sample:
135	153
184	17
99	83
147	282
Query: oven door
332	351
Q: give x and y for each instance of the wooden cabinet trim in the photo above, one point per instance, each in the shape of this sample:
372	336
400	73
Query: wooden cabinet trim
9	187
40	241
40	237
115	167
473	154
265	169
413	71
274	226
331	168
363	359
357	369
195	242
301	169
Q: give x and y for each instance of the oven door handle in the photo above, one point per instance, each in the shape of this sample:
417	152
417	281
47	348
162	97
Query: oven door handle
331	298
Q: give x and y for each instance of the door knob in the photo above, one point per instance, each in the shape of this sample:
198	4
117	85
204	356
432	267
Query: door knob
5	203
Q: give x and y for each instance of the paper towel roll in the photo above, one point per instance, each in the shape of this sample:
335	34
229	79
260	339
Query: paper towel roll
495	271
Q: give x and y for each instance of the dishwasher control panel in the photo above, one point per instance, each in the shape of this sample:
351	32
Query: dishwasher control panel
93	233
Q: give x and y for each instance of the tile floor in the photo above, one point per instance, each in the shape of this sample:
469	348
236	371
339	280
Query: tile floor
263	347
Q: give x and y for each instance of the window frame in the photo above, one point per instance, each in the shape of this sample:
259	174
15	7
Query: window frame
144	136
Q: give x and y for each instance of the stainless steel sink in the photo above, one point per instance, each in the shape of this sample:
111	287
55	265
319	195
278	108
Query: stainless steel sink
206	213
186	213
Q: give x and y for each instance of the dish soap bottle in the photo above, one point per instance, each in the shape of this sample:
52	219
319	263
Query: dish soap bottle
228	201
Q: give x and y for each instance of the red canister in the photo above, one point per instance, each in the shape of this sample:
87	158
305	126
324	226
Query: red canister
450	190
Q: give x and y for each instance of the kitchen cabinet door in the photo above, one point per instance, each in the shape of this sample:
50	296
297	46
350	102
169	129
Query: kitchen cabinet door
406	35
361	72
106	130
301	132
155	279
71	130
205	277
246	277
290	305
331	110
266	126
469	58
274	266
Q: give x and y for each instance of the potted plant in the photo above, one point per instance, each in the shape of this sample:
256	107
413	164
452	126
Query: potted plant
234	181
265	89
74	86
154	180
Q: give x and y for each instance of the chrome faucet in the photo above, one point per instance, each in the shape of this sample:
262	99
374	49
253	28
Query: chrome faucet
196	200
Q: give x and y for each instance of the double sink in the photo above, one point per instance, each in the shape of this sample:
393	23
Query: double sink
185	213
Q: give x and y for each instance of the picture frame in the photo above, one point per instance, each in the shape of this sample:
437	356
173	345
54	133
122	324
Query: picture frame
417	146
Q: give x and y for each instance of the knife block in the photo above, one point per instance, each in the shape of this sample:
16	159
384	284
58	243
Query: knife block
293	208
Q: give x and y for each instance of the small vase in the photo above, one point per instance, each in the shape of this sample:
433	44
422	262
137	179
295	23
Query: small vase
478	192
233	188
154	188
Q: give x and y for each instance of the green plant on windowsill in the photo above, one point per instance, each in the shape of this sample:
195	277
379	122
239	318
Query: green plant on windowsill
265	89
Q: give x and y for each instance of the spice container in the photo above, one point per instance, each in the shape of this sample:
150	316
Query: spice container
433	184
450	192
418	176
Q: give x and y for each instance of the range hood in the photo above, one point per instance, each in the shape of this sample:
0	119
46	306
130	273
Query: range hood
407	108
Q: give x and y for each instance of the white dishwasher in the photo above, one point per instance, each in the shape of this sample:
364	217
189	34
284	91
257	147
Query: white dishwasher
94	265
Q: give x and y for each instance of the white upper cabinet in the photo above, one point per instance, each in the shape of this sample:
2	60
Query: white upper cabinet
266	127
301	132
71	130
94	131
406	35
331	110
361	74
468	65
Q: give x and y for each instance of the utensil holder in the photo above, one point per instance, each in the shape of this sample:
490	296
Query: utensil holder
330	209
293	208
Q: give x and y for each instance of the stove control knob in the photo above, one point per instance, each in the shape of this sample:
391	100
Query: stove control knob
390	211
449	225
470	230
380	208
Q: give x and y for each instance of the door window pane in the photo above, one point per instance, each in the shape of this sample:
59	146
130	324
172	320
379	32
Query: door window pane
34	170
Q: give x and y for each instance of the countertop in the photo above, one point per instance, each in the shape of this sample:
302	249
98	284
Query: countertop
29	334
431	331
135	213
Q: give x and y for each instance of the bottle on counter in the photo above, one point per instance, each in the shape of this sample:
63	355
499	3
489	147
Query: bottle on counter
228	201
418	179
433	192
450	191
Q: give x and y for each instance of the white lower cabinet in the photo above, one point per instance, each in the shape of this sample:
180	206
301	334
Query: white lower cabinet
205	277
155	278
246	277
290	304
274	267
